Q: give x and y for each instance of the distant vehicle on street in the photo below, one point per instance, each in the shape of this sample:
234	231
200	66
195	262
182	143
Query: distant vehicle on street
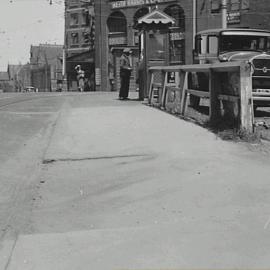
235	44
30	89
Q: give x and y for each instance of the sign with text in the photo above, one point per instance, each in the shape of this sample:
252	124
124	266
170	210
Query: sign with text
177	36
233	17
133	3
117	40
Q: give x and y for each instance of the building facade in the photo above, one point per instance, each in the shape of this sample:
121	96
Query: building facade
97	31
79	41
115	29
46	67
240	13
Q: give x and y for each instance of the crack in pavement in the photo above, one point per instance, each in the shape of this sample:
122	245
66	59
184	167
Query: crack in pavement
48	161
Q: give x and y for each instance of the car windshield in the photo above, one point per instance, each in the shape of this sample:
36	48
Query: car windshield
244	43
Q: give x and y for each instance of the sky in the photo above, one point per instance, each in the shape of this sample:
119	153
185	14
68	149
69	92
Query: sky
26	22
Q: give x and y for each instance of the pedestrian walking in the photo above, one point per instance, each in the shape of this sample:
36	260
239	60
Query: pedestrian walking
125	72
80	77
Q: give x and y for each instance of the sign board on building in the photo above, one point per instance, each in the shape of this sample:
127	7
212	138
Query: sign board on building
117	40
133	3
233	17
177	36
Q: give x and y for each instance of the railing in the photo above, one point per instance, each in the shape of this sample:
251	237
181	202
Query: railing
233	98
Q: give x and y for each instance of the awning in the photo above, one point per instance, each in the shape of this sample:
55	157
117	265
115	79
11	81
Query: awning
155	17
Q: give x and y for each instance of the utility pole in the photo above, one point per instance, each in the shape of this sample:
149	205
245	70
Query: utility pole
194	19
224	13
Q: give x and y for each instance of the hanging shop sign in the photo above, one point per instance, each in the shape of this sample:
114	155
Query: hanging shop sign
233	17
133	3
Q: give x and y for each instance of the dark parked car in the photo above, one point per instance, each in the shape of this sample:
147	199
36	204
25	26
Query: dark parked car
222	45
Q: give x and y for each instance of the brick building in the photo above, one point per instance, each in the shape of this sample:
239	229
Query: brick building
114	30
46	66
79	42
240	13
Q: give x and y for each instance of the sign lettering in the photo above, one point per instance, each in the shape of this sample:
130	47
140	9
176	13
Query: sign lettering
133	3
117	40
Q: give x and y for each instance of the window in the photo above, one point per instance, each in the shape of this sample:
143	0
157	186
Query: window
245	4
233	5
203	45
86	37
74	38
200	44
212	44
85	18
74	19
156	41
215	6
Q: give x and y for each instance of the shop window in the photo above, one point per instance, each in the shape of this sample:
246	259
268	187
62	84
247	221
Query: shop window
156	40
215	6
74	19
177	34
177	46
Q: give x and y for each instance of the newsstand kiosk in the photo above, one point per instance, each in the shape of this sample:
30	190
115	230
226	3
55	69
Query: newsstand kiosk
153	45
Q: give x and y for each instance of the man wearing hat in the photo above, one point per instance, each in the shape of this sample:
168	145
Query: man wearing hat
125	72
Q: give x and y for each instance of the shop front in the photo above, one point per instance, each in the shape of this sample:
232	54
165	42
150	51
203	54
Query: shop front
86	61
119	21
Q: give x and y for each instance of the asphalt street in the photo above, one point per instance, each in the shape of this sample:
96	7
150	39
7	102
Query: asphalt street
91	182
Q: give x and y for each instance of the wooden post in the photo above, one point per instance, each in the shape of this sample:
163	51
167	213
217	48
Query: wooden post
183	75
246	108
164	84
214	88
150	93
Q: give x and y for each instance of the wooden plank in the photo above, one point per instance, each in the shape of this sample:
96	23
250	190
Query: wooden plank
151	88
214	88
172	88
157	85
198	93
264	94
261	98
165	68
246	118
183	86
229	98
164	90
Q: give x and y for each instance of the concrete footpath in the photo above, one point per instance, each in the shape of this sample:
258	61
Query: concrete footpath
130	187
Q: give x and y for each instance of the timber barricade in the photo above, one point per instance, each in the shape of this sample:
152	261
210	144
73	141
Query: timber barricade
229	91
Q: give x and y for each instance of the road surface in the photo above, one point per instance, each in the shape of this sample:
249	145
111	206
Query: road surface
91	182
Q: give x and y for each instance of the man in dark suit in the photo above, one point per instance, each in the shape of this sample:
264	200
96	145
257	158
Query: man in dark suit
125	72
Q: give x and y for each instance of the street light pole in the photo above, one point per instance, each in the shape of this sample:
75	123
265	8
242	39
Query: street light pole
224	13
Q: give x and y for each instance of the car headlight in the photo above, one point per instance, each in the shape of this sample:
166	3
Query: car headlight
223	58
